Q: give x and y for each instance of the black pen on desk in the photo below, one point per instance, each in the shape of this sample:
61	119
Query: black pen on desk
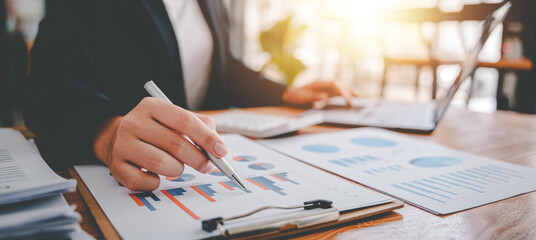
220	163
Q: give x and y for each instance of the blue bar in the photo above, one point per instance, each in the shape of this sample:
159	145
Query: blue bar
348	160
504	169
369	172
425	190
206	189
268	184
417	193
488	174
485	175
370	157
493	173
460	181
360	159
466	178
337	162
142	196
477	177
233	185
430	181
502	172
455	184
176	191
283	175
394	168
436	188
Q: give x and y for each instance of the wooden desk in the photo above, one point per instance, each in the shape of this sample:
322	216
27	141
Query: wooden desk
504	136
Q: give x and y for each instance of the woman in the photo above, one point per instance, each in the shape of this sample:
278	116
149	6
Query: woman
85	95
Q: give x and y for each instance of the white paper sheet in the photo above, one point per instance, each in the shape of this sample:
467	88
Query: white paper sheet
24	174
433	177
175	210
50	215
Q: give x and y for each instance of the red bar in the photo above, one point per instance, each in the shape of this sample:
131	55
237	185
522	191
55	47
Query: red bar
184	208
226	186
203	193
280	179
137	200
258	185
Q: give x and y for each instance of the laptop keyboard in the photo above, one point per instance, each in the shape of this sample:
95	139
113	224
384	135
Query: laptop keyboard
390	113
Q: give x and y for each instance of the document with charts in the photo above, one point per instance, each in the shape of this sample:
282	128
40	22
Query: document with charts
176	208
433	177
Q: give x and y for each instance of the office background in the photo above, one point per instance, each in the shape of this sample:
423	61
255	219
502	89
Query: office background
397	49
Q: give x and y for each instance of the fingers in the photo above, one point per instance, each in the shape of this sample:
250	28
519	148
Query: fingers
186	123
133	177
175	145
207	120
303	96
334	89
151	158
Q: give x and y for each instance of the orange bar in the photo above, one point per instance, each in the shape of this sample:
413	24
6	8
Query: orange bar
226	186
258	185
203	193
137	200
184	208
280	179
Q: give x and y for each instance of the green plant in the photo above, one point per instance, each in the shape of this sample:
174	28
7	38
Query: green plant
278	41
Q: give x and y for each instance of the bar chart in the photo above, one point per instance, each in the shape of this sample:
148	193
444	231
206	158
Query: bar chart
451	186
141	199
428	175
354	161
205	190
175	192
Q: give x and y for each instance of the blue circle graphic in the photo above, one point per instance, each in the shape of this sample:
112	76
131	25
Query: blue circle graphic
261	166
373	142
217	172
244	158
320	148
182	178
434	162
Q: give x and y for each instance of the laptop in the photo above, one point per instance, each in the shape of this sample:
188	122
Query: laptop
409	117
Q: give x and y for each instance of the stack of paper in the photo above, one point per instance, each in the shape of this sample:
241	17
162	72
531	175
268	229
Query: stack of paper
24	175
31	204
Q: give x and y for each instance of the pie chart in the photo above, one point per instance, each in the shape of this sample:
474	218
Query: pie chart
373	142
217	172
182	178
320	148
435	162
244	158
261	166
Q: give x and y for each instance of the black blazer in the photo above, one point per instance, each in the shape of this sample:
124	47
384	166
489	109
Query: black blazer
91	59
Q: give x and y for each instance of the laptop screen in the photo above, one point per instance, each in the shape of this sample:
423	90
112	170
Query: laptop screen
469	65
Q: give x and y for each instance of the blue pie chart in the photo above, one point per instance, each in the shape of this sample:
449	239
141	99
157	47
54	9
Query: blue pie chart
182	178
217	172
244	158
435	162
373	142
320	148
261	166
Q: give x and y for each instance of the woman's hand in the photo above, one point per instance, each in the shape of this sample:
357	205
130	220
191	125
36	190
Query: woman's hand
151	136
317	91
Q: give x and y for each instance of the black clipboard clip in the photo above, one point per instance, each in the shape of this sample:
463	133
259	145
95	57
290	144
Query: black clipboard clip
325	213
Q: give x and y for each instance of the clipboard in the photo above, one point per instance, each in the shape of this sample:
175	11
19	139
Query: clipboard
110	232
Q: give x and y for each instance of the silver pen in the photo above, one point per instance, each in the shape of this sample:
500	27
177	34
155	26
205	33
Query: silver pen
220	163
